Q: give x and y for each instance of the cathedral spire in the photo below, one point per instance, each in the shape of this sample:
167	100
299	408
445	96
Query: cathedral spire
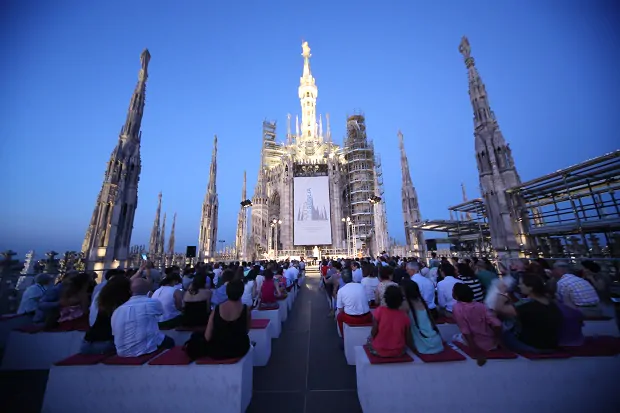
467	215
243	188
155	232
329	129
308	93
162	235
411	208
207	237
131	129
496	168
213	169
172	238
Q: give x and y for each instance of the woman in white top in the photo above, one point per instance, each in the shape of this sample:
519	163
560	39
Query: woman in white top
249	289
370	282
170	295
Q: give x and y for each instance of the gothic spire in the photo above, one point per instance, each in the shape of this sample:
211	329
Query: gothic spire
162	235
131	129
308	93
411	208
155	232
171	240
213	169
243	188
404	162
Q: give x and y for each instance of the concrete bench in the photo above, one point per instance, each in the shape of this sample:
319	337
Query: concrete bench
283	308
357	336
600	328
259	334
38	351
9	322
571	385
176	386
275	325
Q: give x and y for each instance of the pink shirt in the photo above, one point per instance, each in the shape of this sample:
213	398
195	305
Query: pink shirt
474	319
391	328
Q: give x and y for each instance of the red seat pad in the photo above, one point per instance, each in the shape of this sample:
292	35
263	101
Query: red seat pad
176	356
131	361
405	358
444	320
601	346
448	354
498	354
83	360
191	328
259	324
79	324
31	328
359	325
209	360
559	354
261	308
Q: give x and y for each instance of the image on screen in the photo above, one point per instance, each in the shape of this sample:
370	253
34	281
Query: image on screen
312	211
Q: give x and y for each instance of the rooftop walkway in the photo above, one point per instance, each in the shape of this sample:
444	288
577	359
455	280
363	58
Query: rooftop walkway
307	372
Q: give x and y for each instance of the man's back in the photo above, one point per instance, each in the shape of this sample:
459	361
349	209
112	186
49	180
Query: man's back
135	326
352	298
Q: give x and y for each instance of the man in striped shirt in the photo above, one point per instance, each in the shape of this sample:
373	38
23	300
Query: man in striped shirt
576	292
468	277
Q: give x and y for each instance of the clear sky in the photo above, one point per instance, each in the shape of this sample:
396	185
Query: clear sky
222	67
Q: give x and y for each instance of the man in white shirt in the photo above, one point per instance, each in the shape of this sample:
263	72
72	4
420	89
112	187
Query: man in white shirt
357	272
135	324
352	302
427	289
291	274
217	272
32	295
444	290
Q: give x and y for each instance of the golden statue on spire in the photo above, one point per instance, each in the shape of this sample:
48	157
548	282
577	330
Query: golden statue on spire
305	50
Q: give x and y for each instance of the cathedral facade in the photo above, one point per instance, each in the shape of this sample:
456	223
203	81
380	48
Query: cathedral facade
312	195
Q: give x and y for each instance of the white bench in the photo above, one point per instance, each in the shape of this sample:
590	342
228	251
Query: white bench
275	325
357	336
511	386
283	309
9	322
600	328
261	335
222	388
38	351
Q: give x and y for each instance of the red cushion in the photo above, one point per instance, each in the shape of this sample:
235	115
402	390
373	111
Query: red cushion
79	324
559	354
405	358
601	346
448	354
31	328
498	354
173	357
259	324
191	328
11	316
83	360
131	361
373	305
444	320
261	308
359	325
209	360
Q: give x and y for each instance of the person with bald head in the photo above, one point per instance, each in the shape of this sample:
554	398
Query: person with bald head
135	324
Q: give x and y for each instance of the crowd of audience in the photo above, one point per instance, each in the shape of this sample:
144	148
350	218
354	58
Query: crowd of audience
530	307
129	311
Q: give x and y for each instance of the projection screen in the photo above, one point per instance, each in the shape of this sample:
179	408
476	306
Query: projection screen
312	219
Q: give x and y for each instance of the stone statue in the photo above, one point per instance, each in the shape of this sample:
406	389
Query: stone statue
464	47
306	49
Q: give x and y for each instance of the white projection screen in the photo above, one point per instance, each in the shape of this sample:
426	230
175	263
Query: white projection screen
312	216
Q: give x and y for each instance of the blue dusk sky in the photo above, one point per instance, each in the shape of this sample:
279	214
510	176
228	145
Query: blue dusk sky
222	67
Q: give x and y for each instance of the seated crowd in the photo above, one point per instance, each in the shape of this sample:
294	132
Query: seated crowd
529	308
129	311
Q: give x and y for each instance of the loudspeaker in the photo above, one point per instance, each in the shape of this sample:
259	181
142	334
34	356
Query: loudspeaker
191	252
431	245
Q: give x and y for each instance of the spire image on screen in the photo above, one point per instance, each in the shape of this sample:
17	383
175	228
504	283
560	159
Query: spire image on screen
309	212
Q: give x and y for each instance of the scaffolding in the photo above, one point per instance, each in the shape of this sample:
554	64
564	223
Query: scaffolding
574	212
359	156
272	151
